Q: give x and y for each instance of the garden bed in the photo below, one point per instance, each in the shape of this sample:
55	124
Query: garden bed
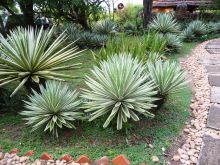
139	141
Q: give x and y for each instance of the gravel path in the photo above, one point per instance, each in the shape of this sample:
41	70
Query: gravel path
196	129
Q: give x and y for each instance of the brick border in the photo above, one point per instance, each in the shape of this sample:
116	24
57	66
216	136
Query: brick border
12	158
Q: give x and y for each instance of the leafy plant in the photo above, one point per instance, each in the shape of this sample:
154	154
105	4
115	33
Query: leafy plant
214	27
120	89
130	28
122	44
165	23
173	42
105	27
154	56
28	56
83	39
167	76
57	106
155	42
91	40
195	30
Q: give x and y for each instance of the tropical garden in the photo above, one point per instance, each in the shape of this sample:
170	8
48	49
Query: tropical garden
79	77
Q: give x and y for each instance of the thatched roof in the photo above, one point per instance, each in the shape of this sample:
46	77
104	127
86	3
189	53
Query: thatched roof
174	3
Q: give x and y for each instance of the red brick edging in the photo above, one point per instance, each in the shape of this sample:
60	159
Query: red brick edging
11	158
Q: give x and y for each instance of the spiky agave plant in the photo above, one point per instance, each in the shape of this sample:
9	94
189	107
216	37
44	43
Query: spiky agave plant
57	106
174	42
165	23
105	27
28	56
195	30
120	89
167	76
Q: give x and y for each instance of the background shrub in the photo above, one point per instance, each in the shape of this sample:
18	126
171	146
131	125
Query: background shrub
195	30
164	23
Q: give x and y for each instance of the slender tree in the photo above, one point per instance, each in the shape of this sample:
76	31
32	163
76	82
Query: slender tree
148	4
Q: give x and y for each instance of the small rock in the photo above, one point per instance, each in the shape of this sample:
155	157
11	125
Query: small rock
176	158
23	159
186	130
193	159
150	145
155	159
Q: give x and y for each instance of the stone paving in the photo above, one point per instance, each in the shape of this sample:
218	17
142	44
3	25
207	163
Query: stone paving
210	150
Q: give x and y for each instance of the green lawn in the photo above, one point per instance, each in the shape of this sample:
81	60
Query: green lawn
93	140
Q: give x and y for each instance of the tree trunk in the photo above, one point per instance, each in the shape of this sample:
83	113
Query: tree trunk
2	28
28	12
147	12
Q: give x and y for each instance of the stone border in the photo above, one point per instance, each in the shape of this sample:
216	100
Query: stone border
11	158
195	128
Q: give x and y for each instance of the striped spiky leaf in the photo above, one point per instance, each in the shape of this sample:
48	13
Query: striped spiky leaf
29	55
120	89
57	106
165	23
167	76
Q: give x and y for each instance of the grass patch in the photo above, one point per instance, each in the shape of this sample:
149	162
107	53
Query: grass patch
91	139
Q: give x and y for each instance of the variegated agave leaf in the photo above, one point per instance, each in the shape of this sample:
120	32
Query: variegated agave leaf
119	88
167	76
57	106
28	54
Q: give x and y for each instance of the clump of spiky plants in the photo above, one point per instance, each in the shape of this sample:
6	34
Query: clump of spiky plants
167	76
174	42
120	89
165	23
106	27
28	56
195	30
214	27
57	106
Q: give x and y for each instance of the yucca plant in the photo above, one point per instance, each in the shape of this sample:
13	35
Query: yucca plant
120	89
214	27
91	40
165	23
167	76
55	107
173	42
106	27
28	56
195	30
154	56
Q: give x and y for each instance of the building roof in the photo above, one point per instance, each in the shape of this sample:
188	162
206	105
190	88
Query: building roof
173	3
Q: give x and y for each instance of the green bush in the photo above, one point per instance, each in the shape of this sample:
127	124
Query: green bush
106	27
154	42
56	107
136	47
130	29
173	42
214	27
120	89
82	38
130	14
195	30
28	56
167	76
165	23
